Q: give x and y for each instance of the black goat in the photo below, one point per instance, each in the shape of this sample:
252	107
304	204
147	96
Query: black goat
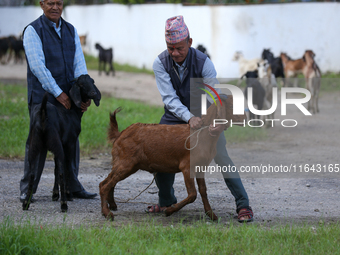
251	74
4	47
201	48
105	56
17	47
13	46
258	94
56	129
275	63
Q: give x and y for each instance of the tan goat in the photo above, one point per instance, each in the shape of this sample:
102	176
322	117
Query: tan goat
291	68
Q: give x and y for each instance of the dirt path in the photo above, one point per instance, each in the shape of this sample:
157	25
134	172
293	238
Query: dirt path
275	198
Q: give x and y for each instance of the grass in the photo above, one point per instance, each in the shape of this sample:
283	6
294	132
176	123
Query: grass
14	122
92	64
151	238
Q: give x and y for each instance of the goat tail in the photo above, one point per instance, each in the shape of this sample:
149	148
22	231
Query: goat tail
113	132
43	110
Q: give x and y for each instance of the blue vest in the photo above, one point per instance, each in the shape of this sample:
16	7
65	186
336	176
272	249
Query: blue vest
59	58
195	62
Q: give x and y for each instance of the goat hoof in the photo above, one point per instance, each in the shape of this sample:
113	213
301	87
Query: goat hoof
64	207
211	215
113	207
110	216
25	206
214	217
55	197
69	196
167	212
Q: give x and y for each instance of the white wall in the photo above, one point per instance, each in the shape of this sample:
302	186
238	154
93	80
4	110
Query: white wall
136	32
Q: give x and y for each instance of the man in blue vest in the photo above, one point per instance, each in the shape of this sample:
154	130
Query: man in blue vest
173	70
54	60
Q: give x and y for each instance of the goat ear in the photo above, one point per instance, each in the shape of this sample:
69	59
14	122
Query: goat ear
237	119
221	109
98	97
75	95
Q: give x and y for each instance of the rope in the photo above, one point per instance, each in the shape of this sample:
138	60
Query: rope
126	201
198	131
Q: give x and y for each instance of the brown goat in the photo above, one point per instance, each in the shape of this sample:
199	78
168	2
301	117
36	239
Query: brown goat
162	148
312	74
291	67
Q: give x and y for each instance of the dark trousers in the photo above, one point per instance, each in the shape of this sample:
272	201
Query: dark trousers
165	181
74	183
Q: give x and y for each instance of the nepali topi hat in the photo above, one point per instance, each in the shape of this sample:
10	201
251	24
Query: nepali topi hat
176	30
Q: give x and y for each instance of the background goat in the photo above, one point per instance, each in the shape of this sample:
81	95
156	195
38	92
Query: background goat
312	74
258	93
4	47
11	46
267	81
161	148
291	68
245	65
82	39
275	63
57	131
105	56
201	48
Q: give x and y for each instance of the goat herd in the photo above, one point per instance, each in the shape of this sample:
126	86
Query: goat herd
262	73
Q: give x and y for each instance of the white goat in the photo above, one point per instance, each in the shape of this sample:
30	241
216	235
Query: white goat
268	81
245	65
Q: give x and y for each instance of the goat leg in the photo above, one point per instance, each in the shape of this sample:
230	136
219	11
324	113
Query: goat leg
104	193
113	69
55	192
110	199
192	194
69	195
104	68
106	187
29	194
202	188
33	157
62	181
100	72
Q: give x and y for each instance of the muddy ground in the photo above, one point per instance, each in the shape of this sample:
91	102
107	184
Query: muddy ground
278	198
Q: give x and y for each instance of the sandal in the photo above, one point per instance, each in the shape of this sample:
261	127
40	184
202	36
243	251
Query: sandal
155	209
245	211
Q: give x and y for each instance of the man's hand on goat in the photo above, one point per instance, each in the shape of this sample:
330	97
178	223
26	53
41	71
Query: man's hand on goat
64	100
84	106
217	130
195	122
